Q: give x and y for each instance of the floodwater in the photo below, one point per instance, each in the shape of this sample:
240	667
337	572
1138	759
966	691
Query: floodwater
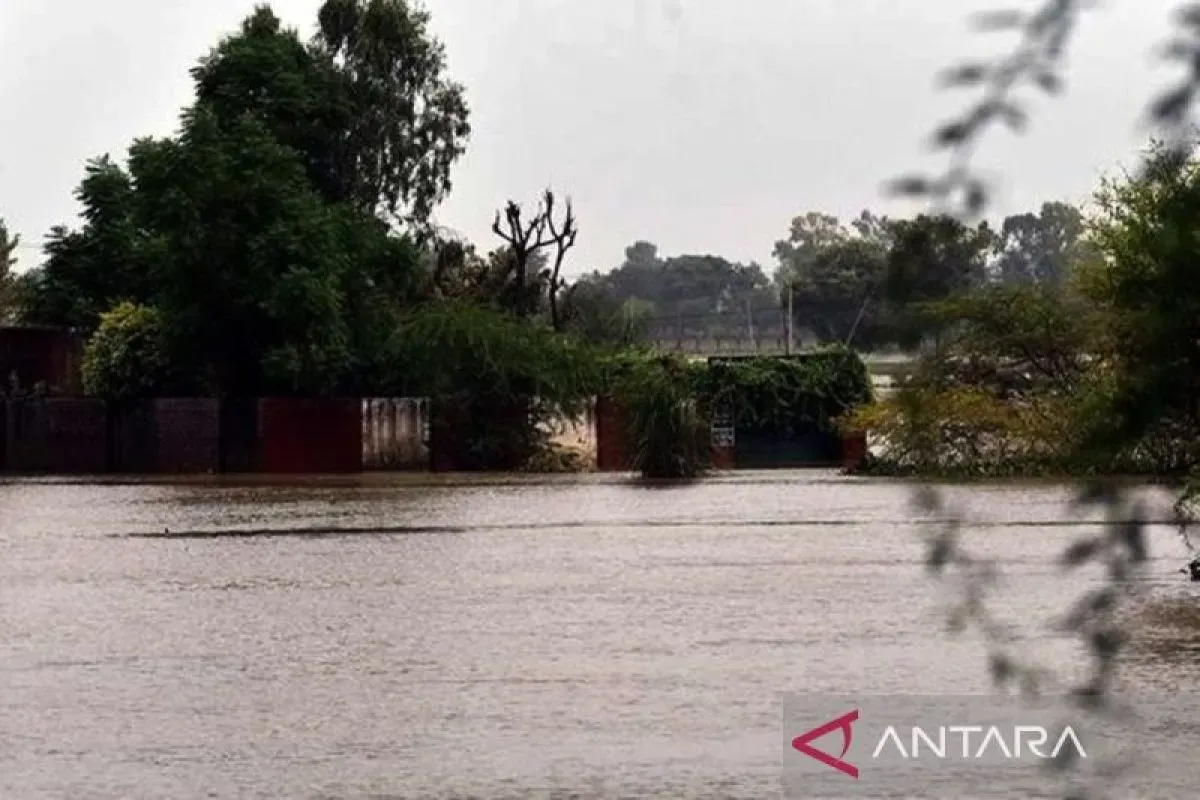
409	637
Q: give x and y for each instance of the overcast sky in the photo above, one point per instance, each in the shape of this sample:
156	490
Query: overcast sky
701	125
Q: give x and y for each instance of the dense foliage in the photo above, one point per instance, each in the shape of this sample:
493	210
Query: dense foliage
8	280
672	402
280	244
813	389
125	358
667	426
261	233
1095	370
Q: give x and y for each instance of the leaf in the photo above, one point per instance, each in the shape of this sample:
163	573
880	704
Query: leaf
910	186
1173	105
1106	643
952	134
927	500
1081	552
1189	16
1132	534
1014	117
1095	603
1048	82
1178	50
976	197
941	550
1002	669
1002	20
964	75
1096	493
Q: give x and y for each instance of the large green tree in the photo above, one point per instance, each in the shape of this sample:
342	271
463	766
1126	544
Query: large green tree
367	102
1147	227
688	285
409	120
1041	248
250	232
88	271
932	258
836	295
834	274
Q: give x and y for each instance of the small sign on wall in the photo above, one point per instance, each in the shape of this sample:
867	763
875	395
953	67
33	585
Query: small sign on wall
722	430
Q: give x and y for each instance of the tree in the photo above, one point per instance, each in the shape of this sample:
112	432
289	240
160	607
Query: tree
931	258
688	285
249	231
367	102
251	285
593	313
529	241
834	275
639	275
409	121
1042	247
1147	228
808	236
88	271
1021	339
297	91
8	259
835	294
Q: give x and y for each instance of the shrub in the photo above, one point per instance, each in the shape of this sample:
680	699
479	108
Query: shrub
125	358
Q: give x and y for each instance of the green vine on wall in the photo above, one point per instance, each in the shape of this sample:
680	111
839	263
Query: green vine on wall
770	392
671	401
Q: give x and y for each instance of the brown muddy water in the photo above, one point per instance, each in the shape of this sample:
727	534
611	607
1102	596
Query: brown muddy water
411	638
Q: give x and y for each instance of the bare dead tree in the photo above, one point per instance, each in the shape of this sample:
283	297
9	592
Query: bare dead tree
525	237
564	240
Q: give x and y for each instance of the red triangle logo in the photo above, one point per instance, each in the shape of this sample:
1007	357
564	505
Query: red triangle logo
803	743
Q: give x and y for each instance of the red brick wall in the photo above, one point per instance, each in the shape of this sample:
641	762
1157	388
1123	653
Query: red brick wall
41	355
722	457
854	450
310	435
447	425
186	435
60	435
613	453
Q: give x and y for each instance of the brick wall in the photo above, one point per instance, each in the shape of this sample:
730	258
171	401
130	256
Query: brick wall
186	435
854	450
310	435
63	435
41	355
613	452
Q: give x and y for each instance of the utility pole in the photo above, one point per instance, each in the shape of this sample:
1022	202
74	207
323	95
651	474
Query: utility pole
750	324
789	345
858	319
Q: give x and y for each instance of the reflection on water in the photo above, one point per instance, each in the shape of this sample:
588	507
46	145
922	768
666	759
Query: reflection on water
420	638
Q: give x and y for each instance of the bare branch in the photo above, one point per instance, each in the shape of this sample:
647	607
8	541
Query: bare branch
563	239
526	237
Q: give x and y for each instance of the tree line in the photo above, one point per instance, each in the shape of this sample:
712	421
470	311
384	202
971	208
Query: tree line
281	241
855	282
1091	369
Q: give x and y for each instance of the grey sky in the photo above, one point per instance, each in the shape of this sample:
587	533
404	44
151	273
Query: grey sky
700	125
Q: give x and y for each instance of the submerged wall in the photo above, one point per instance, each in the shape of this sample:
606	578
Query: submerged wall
395	433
